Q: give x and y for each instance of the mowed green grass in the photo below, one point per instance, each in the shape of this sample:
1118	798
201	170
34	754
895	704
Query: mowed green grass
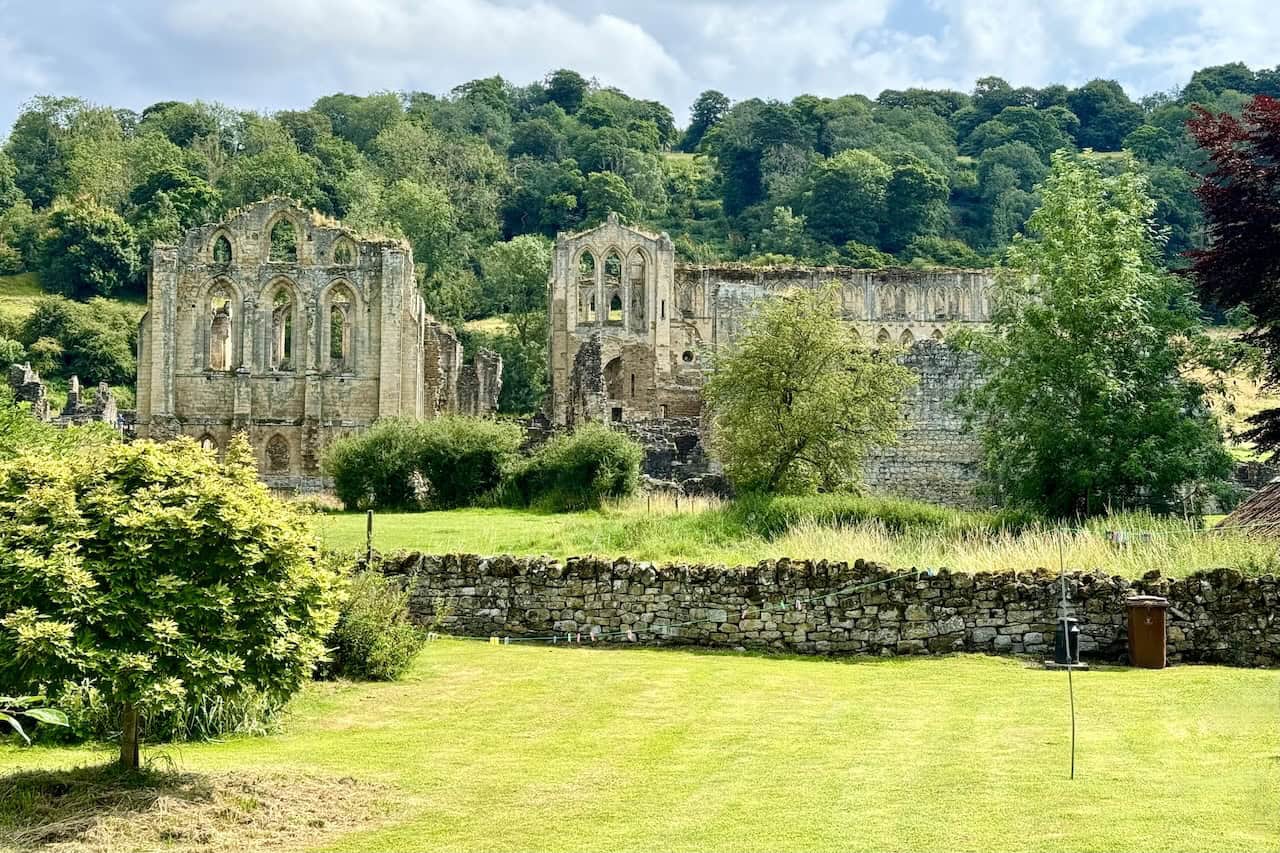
506	748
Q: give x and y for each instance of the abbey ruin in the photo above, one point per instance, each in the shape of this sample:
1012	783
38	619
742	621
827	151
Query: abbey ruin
631	330
296	331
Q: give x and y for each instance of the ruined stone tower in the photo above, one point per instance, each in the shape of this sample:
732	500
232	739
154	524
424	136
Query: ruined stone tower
288	327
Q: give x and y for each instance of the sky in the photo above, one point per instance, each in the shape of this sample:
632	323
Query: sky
283	54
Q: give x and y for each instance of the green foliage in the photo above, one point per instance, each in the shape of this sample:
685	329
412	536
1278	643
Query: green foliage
15	708
799	400
157	574
579	470
21	433
605	193
87	251
96	341
445	462
1088	406
374	638
847	197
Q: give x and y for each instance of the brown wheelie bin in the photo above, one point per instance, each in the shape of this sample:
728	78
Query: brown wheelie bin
1147	631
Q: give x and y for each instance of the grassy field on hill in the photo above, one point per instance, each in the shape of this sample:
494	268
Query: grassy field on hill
709	532
512	748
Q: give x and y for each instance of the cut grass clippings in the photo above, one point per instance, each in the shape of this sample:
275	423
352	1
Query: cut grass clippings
103	810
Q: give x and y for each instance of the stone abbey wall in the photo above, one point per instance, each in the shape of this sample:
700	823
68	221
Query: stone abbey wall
1217	616
632	333
936	460
295	330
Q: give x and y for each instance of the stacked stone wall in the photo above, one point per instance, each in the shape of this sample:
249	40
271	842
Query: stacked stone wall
1217	616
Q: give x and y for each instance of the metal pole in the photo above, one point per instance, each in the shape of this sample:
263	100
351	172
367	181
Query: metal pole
1066	639
368	540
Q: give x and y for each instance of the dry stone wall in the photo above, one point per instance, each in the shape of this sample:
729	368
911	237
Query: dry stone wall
1218	616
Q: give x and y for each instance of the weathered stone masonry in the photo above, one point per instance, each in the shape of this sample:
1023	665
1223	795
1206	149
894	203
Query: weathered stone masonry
1217	616
632	331
295	330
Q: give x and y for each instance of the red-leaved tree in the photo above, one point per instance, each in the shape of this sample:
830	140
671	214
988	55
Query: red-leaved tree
1240	194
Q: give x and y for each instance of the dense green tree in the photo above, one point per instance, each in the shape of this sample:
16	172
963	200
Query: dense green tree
538	137
915	203
545	198
707	111
89	545
96	341
566	89
359	120
515	282
37	146
1088	407
798	402
9	192
87	251
846	198
1106	115
179	122
605	193
424	215
1039	129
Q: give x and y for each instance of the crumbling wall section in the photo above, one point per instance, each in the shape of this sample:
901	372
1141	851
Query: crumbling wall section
480	384
29	388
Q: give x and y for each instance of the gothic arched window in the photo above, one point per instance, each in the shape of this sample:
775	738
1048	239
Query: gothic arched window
221	341
278	454
284	243
341	332
282	311
222	250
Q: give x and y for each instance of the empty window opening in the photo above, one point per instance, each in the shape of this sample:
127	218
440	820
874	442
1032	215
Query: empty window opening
883	337
591	307
222	250
278	454
633	385
662	411
937	334
662	311
284	243
613	268
587	267
907	339
615	308
344	252
220	341
340	322
616	414
207	443
687	356
281	330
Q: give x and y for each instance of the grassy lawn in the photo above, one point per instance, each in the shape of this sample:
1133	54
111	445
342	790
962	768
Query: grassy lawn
18	294
705	532
537	748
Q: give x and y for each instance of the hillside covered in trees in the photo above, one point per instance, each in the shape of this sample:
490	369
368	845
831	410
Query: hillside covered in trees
478	179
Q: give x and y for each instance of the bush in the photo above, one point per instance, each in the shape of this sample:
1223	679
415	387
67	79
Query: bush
374	638
96	341
160	576
579	470
445	462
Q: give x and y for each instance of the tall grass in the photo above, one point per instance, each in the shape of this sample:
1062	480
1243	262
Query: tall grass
902	533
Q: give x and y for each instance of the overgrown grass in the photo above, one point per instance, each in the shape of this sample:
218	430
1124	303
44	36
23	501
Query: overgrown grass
895	532
507	748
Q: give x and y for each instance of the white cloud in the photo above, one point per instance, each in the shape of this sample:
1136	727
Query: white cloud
273	54
387	44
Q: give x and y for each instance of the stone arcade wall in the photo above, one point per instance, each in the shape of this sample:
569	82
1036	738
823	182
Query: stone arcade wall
935	460
1216	616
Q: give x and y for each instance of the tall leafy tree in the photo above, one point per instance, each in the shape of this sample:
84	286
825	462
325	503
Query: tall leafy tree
87	251
1240	196
846	198
706	112
1088	406
799	400
1106	114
